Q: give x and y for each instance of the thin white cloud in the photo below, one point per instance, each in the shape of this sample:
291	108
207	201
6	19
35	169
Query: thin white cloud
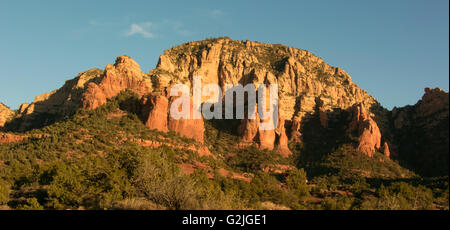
141	29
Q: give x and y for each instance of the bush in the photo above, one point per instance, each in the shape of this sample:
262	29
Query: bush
296	181
403	196
253	159
31	204
4	192
162	182
341	203
359	185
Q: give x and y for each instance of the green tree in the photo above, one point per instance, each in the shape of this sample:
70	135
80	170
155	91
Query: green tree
296	181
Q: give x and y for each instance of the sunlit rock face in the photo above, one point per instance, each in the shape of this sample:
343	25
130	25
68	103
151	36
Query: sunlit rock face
5	114
307	87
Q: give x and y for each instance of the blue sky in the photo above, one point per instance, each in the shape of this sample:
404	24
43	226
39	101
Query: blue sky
392	49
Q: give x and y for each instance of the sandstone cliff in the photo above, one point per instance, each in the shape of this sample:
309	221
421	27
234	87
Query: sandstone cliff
156	114
307	85
303	78
5	114
124	74
88	90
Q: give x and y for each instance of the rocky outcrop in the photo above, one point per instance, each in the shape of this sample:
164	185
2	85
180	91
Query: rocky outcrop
10	138
88	90
433	102
295	133
63	101
5	114
301	76
250	131
386	150
124	74
282	139
421	133
155	109
307	85
366	129
190	128
156	115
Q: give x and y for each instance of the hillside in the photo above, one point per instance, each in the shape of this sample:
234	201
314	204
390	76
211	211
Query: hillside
107	140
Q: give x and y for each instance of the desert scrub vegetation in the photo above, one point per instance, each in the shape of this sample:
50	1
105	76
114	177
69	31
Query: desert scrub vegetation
132	173
4	192
88	161
92	161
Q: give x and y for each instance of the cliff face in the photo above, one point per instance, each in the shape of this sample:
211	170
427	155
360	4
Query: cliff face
156	114
307	85
307	88
304	80
5	114
421	133
124	74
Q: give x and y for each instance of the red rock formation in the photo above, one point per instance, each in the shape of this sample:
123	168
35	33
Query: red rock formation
10	138
266	139
369	135
190	128
301	91
282	139
5	114
124	74
432	101
250	131
386	150
155	110
156	114
295	130
323	118
426	149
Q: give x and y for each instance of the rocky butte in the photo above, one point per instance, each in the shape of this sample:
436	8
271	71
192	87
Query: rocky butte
308	88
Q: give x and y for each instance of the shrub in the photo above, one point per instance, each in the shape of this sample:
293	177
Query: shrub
401	195
31	204
253	159
296	181
162	182
359	185
4	192
341	203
